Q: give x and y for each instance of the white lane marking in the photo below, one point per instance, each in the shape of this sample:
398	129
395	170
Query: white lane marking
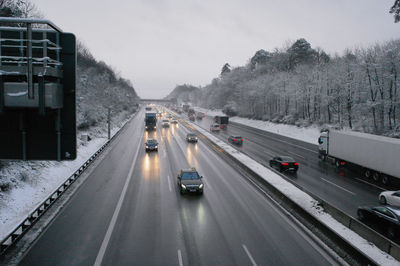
295	154
111	226
348	191
249	255
371	184
169	184
180	257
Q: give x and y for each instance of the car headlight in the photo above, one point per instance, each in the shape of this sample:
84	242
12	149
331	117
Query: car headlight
156	146
201	186
146	126
147	146
183	186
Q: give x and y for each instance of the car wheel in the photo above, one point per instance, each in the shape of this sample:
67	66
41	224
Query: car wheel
280	168
270	164
360	215
181	191
382	200
391	232
201	193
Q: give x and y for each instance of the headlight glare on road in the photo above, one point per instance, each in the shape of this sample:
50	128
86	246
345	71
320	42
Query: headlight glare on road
201	186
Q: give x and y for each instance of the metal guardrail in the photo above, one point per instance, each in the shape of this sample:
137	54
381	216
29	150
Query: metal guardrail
23	227
380	241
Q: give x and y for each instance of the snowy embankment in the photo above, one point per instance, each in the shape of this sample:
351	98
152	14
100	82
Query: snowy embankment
303	199
306	134
33	182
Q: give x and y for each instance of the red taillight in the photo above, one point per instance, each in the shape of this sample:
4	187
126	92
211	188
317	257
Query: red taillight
241	140
342	163
296	163
234	139
284	164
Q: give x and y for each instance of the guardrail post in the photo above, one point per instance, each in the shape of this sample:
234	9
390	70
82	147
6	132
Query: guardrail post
29	60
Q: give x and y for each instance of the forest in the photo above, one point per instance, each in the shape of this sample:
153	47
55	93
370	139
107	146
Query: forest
301	85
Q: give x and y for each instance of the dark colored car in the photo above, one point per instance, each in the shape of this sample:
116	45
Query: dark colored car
191	117
238	140
284	163
191	137
189	180
386	218
151	145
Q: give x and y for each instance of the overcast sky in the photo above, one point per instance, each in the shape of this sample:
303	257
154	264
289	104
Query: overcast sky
158	44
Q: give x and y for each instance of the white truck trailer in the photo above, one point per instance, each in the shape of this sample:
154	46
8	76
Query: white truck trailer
376	157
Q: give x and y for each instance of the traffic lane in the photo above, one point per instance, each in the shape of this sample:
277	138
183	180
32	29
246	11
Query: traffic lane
340	187
147	228
75	236
244	215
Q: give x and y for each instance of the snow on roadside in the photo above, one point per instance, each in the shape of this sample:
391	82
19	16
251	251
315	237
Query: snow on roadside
304	200
41	178
307	134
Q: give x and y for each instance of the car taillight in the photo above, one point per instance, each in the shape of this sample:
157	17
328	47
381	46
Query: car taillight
296	163
241	139
342	163
284	163
234	139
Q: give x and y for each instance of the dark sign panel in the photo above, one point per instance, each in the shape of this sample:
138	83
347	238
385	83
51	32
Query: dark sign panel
37	91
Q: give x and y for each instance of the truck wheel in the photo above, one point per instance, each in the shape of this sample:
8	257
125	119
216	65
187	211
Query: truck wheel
367	173
376	176
385	180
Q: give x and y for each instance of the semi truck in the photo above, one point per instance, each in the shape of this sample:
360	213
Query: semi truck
223	121
185	107
150	120
375	157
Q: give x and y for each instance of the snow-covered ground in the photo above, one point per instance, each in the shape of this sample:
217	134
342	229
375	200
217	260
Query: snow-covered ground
307	134
303	199
32	182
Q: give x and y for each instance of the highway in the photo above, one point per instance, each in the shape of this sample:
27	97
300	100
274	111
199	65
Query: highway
129	212
340	187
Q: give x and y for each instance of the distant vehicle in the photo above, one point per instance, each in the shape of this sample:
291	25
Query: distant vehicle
199	116
191	112
189	180
150	120
191	137
179	111
384	217
165	123
148	108
191	117
186	107
169	116
390	197
151	145
375	157
223	121
238	140
174	120
284	163
215	128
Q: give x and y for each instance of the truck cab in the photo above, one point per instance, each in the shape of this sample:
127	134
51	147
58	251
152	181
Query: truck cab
323	144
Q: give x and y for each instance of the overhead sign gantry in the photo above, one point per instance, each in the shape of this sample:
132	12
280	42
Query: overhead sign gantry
37	90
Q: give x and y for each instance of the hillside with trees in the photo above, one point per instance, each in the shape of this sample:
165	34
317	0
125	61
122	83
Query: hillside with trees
302	85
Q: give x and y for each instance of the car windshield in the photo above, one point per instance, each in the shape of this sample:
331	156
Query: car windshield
191	135
287	159
165	121
236	137
190	175
151	141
